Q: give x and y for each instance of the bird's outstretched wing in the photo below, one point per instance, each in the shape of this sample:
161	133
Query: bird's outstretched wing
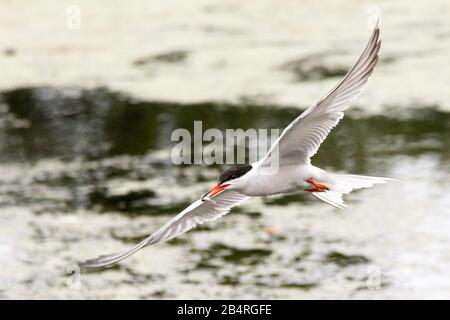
302	138
197	213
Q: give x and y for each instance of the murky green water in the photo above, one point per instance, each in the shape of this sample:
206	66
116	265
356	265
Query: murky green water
84	173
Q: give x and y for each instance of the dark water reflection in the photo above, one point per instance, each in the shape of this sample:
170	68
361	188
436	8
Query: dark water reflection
94	124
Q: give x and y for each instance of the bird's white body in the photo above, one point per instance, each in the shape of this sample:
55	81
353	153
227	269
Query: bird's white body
287	179
292	152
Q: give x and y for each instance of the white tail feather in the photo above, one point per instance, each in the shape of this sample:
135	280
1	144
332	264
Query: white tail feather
331	197
344	184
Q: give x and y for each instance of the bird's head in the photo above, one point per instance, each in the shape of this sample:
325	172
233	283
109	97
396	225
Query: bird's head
228	179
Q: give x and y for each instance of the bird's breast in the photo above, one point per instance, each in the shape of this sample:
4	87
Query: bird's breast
285	180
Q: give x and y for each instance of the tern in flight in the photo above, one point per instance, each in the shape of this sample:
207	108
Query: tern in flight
296	145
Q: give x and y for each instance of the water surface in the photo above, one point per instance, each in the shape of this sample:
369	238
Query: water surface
88	172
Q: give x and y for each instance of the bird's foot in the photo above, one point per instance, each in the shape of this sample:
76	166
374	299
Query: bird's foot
318	187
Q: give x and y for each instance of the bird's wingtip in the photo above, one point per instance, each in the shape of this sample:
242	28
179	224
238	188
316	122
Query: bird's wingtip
88	265
94	264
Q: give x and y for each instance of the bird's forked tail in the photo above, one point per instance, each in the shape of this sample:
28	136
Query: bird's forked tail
344	184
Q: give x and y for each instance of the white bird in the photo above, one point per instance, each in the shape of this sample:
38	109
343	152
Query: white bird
294	148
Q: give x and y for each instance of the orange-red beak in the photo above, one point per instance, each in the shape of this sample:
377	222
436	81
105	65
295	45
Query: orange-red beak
215	190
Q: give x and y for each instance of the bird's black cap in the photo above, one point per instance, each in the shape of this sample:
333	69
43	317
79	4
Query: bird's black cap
234	172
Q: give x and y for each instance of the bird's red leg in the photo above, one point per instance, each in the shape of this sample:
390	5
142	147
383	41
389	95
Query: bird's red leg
318	187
